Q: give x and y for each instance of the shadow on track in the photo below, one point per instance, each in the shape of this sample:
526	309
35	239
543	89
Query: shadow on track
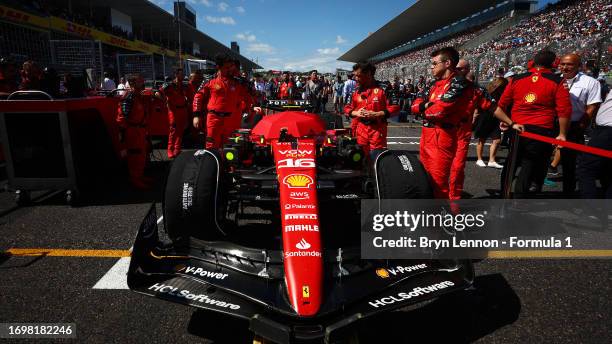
462	317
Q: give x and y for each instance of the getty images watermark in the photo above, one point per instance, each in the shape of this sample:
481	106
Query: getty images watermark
408	229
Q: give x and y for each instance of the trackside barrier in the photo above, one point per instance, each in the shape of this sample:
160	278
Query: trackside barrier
509	176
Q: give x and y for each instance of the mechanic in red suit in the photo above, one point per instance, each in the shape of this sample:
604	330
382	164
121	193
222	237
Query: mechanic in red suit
443	107
132	116
368	110
286	88
221	101
177	98
536	98
482	101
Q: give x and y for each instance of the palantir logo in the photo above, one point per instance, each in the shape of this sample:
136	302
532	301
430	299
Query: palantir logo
303	245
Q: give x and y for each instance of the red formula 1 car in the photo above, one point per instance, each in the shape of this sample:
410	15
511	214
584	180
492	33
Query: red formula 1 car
268	230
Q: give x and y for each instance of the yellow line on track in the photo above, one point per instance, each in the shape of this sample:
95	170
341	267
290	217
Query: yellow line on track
550	254
51	252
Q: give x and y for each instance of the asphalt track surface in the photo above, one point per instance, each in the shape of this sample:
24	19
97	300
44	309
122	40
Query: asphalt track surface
514	301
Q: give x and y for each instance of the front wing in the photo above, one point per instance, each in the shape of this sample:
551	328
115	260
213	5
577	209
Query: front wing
247	286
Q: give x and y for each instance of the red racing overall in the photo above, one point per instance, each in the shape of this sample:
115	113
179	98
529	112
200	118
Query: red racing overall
482	101
222	98
177	98
132	116
371	133
284	90
450	99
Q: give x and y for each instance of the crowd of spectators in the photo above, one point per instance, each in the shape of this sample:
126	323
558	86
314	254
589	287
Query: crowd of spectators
568	25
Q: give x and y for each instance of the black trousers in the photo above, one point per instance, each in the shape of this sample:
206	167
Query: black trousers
533	157
568	159
592	167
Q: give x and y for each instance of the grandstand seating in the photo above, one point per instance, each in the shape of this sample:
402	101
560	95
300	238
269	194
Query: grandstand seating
581	26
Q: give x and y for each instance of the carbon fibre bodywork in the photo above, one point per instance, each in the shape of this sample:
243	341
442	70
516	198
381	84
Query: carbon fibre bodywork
249	283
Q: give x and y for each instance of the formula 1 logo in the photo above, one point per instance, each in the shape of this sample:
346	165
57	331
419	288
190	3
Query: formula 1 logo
298	181
303	245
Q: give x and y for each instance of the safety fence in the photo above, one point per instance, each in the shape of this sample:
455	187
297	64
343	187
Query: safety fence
78	57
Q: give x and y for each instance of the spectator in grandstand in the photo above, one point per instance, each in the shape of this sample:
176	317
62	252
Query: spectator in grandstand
337	89
487	126
585	95
8	77
132	116
537	98
368	110
108	84
592	167
31	74
349	87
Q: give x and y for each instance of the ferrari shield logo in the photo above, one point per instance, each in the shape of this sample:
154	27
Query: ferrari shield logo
217	86
535	78
376	90
305	291
433	96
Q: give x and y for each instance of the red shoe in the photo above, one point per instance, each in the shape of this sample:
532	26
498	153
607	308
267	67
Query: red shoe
171	155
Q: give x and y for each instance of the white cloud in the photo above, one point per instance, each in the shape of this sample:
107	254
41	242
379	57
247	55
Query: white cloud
240	9
206	3
249	37
340	40
260	48
221	20
328	51
222	6
324	61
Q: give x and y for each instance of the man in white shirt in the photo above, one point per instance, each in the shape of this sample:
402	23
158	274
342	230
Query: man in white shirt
592	167
349	88
585	95
108	84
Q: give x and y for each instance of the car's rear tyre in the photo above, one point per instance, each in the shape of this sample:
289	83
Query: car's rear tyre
400	175
192	202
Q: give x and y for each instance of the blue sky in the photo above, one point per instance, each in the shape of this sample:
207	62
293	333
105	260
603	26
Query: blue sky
293	35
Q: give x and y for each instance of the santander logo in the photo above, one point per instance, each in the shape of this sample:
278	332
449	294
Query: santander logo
303	245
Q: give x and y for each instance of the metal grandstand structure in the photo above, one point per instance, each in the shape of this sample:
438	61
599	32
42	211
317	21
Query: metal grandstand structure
136	63
78	57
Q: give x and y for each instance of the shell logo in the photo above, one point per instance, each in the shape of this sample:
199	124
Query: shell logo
301	181
382	273
530	97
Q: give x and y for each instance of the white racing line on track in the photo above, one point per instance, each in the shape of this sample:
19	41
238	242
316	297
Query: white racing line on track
417	143
116	276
